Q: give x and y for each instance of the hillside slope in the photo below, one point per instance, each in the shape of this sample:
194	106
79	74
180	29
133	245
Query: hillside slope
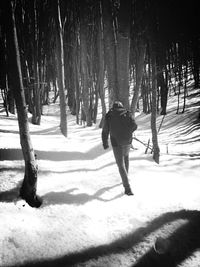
86	220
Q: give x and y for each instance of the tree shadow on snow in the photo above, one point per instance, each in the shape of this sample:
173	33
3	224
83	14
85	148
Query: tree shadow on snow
183	242
10	195
89	169
71	197
11	154
16	154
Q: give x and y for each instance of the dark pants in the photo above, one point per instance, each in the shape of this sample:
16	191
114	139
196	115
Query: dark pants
121	154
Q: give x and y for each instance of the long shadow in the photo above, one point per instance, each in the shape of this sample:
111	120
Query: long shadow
95	152
9	131
188	141
132	159
183	243
5	169
191	155
69	197
11	154
55	130
187	129
10	195
79	170
16	154
191	95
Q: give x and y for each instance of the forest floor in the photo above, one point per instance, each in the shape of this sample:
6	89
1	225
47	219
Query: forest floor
86	220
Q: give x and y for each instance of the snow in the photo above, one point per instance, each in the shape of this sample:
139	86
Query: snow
84	203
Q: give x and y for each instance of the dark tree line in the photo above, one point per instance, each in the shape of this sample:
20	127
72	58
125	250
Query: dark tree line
76	49
103	40
94	41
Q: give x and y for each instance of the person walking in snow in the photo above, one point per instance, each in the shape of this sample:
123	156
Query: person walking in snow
120	124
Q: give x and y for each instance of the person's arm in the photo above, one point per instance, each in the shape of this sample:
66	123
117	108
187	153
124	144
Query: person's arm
105	132
132	122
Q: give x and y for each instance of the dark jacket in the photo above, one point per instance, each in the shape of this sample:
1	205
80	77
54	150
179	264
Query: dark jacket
120	124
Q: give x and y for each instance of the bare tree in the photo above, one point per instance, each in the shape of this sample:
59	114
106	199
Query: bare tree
123	20
156	149
101	64
140	57
29	185
86	87
110	51
60	68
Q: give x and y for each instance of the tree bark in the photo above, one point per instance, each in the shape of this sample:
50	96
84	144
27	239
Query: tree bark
110	51
86	111
196	60
36	108
29	186
140	57
156	150
60	69
163	93
123	51
101	66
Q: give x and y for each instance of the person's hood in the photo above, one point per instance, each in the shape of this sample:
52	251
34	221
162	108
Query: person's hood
118	111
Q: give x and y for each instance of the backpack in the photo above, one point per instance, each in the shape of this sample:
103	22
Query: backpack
122	125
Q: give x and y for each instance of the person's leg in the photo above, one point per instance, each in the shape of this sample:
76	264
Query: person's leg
125	151
126	161
119	157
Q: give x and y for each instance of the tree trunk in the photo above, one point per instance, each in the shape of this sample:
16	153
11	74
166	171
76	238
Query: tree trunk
163	93
86	111
60	69
196	60
101	65
123	51
110	51
36	111
156	150
141	51
10	97
185	86
29	186
76	83
36	107
161	81
3	82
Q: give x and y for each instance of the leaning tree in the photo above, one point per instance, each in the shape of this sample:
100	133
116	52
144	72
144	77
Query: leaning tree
29	185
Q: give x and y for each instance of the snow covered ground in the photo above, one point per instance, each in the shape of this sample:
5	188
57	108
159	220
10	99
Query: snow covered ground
86	220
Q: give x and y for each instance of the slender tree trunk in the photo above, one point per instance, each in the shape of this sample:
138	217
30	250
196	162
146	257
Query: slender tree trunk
185	86
156	150
76	84
123	51
144	93
36	107
29	186
86	89
3	76
4	94
163	93
178	102
141	51
101	65
60	70
196	61
36	112
110	51
10	97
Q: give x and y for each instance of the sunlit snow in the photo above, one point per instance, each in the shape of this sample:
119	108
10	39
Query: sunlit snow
84	202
